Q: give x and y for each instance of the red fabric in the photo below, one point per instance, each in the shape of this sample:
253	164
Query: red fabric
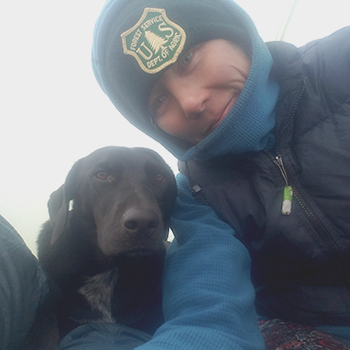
280	335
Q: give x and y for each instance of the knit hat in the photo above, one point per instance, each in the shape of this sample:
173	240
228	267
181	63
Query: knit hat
137	40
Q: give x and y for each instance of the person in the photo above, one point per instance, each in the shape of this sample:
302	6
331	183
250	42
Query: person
248	268
262	135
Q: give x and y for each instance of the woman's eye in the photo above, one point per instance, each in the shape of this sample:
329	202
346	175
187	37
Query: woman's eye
156	106
186	59
102	175
158	102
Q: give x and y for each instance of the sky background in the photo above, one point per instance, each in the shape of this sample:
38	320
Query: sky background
52	110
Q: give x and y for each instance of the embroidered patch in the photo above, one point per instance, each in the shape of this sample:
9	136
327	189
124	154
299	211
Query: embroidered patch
154	41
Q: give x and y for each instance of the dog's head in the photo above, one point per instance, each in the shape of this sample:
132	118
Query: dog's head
125	194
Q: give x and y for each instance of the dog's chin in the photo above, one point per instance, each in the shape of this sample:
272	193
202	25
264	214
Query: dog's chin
143	252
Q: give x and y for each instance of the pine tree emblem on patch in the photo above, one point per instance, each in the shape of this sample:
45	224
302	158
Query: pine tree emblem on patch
154	40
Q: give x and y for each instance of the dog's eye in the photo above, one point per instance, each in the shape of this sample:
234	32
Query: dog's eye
102	175
160	177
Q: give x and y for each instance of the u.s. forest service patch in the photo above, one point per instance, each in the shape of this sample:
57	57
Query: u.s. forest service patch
154	41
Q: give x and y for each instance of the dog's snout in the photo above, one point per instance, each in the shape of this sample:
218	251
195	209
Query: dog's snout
141	222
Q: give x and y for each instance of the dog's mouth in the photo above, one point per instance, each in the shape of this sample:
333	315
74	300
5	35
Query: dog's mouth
137	260
112	243
142	252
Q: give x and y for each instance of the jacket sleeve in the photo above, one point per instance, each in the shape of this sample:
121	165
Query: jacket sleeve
22	287
208	294
327	62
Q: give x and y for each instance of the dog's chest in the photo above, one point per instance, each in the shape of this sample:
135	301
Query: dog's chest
98	292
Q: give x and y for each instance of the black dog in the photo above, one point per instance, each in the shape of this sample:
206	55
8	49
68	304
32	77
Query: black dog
104	246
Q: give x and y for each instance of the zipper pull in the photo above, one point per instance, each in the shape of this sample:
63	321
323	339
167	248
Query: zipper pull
288	190
287	200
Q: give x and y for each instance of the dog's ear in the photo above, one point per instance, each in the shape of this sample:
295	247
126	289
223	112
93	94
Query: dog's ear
58	212
58	204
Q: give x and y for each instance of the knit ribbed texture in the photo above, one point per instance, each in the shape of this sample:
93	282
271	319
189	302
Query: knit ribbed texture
208	295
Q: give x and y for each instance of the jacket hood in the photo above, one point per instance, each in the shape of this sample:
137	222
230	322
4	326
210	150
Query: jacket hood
124	78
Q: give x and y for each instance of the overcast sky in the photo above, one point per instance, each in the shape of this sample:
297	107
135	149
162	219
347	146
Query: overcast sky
52	110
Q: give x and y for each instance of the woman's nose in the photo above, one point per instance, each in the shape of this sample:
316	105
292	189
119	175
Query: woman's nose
193	101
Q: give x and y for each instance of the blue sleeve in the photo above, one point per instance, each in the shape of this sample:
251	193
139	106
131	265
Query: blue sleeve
208	294
22	287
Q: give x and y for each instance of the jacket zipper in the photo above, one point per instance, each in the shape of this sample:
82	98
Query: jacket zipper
290	191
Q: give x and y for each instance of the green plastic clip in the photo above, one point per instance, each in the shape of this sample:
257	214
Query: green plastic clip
287	200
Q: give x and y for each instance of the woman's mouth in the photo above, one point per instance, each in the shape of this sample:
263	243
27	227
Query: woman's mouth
223	115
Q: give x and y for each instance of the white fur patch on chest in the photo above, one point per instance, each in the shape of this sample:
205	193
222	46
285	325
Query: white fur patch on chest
98	292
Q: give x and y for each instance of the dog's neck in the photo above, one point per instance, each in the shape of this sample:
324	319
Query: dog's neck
128	292
98	292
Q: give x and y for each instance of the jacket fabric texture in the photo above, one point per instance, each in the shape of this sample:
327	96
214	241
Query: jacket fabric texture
301	261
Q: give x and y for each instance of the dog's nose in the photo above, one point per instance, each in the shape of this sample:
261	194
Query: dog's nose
141	222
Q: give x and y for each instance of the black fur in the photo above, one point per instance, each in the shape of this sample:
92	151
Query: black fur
104	256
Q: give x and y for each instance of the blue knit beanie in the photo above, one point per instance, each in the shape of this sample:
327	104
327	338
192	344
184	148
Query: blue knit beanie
136	40
123	37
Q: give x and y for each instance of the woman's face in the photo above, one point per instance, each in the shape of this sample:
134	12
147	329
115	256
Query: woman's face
194	95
